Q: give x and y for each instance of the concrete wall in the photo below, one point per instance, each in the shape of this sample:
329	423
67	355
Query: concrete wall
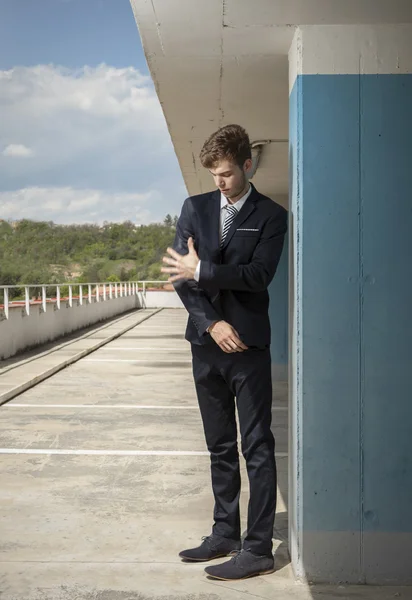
351	182
160	300
21	331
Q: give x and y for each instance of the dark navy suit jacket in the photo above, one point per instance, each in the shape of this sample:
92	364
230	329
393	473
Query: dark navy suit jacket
233	279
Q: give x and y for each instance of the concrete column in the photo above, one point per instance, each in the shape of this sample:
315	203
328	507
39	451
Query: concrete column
351	301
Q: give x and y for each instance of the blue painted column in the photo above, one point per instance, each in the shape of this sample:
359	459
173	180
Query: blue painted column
351	302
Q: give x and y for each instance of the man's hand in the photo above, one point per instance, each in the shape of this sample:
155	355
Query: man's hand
182	266
226	337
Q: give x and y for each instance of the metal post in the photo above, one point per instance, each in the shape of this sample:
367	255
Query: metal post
110	291
97	293
58	297
27	299
80	295
90	292
70	296
6	302
104	293
43	298
116	293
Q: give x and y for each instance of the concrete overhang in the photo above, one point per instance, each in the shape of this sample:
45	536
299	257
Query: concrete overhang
215	62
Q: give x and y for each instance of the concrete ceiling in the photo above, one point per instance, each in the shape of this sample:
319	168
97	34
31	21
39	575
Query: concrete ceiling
215	62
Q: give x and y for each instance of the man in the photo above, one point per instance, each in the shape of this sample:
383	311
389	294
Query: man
227	247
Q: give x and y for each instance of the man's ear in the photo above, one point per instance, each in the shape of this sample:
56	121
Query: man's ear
248	165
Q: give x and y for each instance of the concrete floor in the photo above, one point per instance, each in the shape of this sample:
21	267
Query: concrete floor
105	477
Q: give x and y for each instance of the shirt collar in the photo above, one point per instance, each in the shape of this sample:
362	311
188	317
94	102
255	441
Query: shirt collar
238	205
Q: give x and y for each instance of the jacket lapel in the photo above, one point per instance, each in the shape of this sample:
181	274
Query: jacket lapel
213	223
243	214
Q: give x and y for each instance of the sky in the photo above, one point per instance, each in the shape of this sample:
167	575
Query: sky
82	135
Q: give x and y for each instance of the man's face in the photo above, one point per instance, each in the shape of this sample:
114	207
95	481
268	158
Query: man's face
230	178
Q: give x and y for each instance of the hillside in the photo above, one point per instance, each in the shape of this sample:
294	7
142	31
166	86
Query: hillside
43	252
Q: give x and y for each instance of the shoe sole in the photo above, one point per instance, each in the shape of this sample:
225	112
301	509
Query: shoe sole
240	578
203	559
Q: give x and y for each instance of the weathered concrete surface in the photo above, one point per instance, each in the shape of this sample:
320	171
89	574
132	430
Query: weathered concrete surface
21	373
110	527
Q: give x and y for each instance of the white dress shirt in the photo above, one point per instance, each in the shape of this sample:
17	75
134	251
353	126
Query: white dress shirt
223	203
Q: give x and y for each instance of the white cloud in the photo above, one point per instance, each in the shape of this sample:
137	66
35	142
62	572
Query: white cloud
87	129
67	205
102	91
19	150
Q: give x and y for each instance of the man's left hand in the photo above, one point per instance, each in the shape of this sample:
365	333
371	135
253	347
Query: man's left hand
181	266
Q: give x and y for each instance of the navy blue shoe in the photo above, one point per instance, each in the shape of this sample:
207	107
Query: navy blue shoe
242	565
213	546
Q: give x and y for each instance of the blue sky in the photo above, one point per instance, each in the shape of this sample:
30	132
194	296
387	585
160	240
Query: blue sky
83	138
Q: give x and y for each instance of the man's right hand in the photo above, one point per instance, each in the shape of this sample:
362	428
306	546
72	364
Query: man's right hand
226	337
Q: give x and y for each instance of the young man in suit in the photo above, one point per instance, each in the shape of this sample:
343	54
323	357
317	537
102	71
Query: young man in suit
227	247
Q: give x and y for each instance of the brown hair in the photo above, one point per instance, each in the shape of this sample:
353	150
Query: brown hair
227	143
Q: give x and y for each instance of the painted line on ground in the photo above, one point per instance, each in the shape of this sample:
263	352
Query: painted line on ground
55	451
122	406
101	452
163	327
143	360
23	387
127	406
143	348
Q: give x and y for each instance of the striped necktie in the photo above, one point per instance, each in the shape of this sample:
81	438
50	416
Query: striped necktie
231	212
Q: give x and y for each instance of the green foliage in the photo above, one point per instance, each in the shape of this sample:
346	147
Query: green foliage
33	252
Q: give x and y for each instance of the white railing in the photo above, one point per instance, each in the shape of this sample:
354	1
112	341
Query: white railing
87	293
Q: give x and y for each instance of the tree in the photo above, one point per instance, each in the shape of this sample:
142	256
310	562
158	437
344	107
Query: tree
43	252
168	221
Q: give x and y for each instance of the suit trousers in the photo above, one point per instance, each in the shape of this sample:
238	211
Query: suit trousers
220	378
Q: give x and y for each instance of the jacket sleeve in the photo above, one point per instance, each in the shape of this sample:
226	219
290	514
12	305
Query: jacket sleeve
259	272
194	298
